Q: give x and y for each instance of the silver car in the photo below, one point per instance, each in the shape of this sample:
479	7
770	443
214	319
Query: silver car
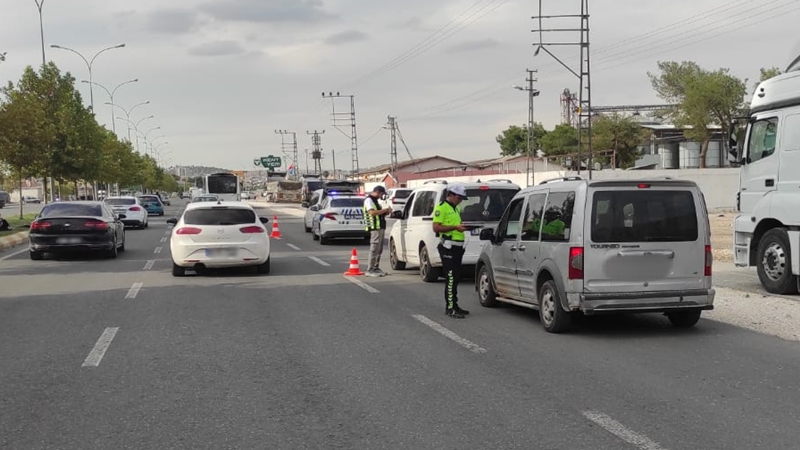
574	246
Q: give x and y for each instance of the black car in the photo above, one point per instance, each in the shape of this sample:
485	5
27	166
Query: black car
73	226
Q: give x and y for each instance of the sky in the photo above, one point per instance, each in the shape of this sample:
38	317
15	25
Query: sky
222	76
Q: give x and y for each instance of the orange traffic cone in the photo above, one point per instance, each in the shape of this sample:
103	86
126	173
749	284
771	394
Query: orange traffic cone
276	232
353	270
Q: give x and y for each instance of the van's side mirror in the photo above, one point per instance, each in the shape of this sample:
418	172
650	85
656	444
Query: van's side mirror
304	204
314	208
172	221
263	220
396	215
487	234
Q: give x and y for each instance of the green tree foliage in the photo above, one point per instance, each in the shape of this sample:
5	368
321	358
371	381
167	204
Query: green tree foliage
621	134
703	97
562	140
514	140
771	72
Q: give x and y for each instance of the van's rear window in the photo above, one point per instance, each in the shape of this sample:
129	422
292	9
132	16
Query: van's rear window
219	216
644	216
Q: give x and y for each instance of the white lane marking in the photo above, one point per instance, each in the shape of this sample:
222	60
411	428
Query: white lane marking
157	250
450	335
163	239
621	431
14	254
167	233
99	350
294	247
149	264
134	290
319	261
363	285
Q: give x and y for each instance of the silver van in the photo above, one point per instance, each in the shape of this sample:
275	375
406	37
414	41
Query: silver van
572	246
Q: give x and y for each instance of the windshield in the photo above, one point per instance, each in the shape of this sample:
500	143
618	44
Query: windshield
485	205
70	210
205	199
347	202
222	184
219	216
150	199
644	216
313	185
120	201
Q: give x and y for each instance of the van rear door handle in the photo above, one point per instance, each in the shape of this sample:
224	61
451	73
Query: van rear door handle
769	183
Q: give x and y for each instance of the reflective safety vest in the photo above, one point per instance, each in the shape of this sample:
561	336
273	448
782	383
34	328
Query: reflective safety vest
446	214
373	222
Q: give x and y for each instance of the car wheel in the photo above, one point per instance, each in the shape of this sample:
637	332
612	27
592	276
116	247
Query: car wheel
486	294
112	253
427	272
263	269
323	240
308	229
554	318
395	263
314	235
775	263
122	247
178	271
36	256
684	319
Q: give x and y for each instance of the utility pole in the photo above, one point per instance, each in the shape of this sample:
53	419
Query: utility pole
529	178
333	155
291	147
583	73
393	143
316	154
344	119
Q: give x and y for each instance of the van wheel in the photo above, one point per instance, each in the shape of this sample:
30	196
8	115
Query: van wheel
396	263
486	294
554	318
775	264
684	319
427	272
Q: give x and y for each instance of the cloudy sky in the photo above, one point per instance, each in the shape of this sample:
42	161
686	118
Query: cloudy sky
222	75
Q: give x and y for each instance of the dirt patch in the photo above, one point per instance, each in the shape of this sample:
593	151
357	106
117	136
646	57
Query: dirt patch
722	235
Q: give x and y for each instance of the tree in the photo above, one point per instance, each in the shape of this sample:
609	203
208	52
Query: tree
562	140
621	134
514	140
766	74
703	97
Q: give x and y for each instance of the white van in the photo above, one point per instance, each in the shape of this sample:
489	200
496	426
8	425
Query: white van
606	246
412	241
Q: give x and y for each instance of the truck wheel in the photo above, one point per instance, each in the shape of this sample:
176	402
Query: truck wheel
774	263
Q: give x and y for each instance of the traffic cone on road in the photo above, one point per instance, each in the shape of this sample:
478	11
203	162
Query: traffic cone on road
353	270
276	232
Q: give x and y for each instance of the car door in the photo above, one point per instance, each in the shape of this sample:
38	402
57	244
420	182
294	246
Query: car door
529	246
420	225
760	164
402	226
504	258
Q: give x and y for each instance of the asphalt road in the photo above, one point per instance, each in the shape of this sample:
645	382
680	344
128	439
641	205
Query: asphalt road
304	358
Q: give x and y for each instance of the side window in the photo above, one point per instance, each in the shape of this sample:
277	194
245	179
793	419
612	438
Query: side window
790	139
314	199
533	217
509	225
763	135
558	216
424	205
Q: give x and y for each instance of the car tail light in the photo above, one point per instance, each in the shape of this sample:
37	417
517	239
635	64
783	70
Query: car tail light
134	208
331	216
40	225
643	186
188	230
96	225
251	230
709	260
484	188
576	263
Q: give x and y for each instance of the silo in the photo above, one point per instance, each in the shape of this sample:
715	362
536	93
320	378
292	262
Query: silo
689	155
669	156
714	154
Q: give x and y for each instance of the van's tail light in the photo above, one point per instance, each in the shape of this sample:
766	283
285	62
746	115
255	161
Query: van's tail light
643	186
41	225
96	225
134	208
251	230
188	230
709	260
576	263
330	216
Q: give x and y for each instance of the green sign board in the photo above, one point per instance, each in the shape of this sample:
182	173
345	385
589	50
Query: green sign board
268	162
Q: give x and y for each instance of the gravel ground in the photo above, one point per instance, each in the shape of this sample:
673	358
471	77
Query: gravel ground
722	235
764	314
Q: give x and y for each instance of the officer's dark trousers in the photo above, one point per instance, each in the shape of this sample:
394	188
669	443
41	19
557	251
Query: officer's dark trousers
451	266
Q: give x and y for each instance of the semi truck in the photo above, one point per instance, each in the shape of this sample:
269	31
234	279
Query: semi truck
766	147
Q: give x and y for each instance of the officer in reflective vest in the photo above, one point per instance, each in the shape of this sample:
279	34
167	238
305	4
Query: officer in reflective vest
375	221
448	227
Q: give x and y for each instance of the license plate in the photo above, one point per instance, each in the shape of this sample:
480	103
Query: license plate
222	252
353	216
475	232
68	240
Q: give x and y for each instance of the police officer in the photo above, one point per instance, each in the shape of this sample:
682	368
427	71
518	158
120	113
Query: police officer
375	220
448	227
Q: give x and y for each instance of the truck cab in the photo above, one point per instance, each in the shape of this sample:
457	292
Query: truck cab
767	150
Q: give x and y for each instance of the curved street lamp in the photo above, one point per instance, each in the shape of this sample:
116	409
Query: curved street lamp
128	114
111	96
89	64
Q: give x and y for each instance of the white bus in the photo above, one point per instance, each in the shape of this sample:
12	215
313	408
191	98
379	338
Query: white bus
226	186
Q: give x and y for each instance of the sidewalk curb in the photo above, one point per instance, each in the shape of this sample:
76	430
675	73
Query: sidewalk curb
14	240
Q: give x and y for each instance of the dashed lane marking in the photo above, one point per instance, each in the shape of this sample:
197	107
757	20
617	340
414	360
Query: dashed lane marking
362	285
134	290
319	261
163	239
99	350
619	430
293	247
149	264
157	250
14	254
475	348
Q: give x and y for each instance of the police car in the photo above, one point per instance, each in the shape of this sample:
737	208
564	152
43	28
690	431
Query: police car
339	216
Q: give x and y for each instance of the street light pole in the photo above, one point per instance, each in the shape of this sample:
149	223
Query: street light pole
89	64
111	96
529	178
39	6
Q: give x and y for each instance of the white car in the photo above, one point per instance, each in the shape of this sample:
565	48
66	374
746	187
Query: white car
397	198
311	208
412	241
339	216
135	214
219	235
